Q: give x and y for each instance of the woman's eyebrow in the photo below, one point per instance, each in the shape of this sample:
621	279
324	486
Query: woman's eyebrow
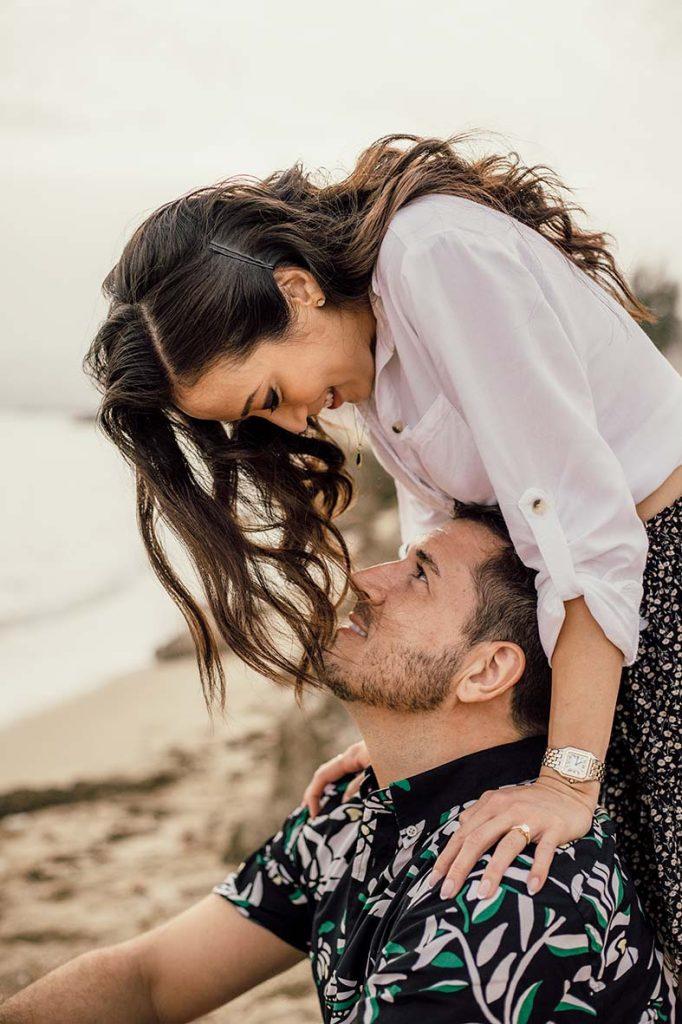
249	402
424	556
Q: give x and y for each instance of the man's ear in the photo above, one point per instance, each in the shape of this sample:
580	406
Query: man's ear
494	668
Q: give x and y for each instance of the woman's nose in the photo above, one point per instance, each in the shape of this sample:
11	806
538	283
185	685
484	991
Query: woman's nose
295	419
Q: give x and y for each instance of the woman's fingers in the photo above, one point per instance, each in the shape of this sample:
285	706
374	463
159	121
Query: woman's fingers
327	772
508	848
469	820
353	759
469	852
544	855
352	788
461	855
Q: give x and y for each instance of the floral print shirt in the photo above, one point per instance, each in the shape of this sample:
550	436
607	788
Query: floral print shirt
349	887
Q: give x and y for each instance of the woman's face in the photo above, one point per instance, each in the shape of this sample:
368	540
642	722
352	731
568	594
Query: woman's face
328	360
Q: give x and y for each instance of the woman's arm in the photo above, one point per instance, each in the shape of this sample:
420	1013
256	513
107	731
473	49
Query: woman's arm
586	671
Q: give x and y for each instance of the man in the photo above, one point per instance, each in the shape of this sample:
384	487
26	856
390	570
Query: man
447	709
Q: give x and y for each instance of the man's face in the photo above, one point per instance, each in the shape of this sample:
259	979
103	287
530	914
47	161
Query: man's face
404	640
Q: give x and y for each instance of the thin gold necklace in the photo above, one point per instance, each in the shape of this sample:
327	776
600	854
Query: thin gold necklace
358	440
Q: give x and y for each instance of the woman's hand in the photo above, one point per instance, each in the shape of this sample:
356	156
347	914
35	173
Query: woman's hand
555	813
354	759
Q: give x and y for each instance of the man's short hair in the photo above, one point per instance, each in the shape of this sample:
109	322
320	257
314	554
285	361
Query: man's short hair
506	609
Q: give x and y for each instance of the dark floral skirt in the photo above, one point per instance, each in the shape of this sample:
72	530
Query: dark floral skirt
642	789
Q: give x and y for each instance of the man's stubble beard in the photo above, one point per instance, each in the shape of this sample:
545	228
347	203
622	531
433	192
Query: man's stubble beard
404	680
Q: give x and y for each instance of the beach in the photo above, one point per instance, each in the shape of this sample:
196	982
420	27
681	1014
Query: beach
123	806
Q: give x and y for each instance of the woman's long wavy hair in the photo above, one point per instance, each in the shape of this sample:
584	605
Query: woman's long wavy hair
252	504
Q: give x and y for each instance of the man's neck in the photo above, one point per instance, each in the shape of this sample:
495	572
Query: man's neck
401	745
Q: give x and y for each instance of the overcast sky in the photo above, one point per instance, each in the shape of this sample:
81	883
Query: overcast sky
108	109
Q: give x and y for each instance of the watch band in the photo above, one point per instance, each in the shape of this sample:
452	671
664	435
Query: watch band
554	758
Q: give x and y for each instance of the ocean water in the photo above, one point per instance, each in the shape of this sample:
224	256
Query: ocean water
78	601
103	119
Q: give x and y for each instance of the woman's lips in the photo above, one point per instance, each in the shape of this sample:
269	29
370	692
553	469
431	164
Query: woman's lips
332	400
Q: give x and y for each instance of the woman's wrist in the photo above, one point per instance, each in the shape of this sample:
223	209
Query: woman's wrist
584	789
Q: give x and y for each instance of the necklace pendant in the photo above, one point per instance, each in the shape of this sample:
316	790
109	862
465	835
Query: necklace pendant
358	458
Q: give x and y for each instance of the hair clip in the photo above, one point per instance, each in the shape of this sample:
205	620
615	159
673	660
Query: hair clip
236	254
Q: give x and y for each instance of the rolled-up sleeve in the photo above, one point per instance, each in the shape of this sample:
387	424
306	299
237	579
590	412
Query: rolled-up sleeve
415	517
505	359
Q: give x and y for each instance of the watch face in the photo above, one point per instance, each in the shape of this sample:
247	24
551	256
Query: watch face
575	764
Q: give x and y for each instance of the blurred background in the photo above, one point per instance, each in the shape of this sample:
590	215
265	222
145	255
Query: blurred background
109	769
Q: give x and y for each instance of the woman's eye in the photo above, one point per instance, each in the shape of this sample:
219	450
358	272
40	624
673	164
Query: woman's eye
419	574
273	400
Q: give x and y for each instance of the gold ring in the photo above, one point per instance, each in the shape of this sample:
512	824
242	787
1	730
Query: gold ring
522	828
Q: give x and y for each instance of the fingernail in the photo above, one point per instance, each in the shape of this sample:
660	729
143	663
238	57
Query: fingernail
484	888
434	878
448	889
533	886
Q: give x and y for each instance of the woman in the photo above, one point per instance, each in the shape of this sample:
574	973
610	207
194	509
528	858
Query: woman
492	347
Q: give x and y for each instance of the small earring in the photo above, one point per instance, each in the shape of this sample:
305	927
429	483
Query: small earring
320	302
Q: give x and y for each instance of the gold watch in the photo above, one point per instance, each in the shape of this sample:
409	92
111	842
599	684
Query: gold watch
574	764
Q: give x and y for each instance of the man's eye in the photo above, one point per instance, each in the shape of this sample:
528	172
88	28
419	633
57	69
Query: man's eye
419	573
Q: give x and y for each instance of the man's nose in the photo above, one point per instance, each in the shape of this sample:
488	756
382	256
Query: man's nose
373	582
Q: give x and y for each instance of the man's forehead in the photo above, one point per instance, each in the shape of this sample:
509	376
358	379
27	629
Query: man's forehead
460	542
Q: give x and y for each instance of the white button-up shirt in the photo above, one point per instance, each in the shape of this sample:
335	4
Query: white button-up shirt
505	374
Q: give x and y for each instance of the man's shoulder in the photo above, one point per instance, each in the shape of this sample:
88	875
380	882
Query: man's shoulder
588	887
558	950
334	814
590	873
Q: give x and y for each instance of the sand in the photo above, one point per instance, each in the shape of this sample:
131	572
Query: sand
164	806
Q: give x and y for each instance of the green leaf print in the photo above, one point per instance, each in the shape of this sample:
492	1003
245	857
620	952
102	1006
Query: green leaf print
293	828
428	855
525	1005
570	1002
601	918
345	1004
239	903
447	959
446	986
594	937
483	912
459	900
393	949
402	784
568	945
326	926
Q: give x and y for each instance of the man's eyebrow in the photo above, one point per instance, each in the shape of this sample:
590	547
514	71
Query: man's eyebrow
424	556
249	402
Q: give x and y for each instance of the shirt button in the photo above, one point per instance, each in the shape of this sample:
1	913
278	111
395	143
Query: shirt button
411	831
539	507
398	427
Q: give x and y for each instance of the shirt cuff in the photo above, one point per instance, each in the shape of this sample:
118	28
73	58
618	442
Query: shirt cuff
614	604
276	923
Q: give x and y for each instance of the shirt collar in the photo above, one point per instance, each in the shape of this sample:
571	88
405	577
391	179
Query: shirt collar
429	796
385	343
